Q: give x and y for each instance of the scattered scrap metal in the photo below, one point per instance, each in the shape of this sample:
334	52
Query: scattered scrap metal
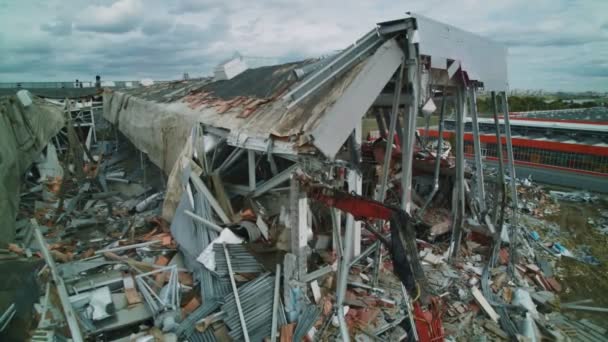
255	244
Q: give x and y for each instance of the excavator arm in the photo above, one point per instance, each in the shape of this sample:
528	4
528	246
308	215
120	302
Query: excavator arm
402	244
360	207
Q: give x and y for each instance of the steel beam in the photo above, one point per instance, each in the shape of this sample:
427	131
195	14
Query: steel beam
437	170
236	294
380	122
355	185
500	181
396	26
339	248
334	68
275	181
308	277
275	305
399	128
336	220
510	160
232	158
298	217
511	166
70	315
369	250
343	275
126	248
410	124
203	221
388	152
203	190
251	169
481	193
270	159
459	194
391	135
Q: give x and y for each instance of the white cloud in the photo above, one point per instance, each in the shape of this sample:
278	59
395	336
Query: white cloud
553	43
120	17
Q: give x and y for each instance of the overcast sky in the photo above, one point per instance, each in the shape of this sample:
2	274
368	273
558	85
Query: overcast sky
553	44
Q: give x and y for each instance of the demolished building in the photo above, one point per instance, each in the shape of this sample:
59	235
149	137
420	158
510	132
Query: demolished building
27	125
283	222
304	118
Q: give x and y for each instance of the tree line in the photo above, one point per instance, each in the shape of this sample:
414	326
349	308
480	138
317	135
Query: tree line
528	103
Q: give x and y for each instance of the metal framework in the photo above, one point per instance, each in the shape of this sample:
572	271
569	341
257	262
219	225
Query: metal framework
393	51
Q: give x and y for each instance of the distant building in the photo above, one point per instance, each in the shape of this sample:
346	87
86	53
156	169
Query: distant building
563	147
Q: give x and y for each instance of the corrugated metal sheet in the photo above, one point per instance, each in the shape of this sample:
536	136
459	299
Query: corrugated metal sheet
242	261
186	327
305	322
256	300
205	336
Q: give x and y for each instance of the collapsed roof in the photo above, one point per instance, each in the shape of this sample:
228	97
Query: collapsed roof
27	123
310	106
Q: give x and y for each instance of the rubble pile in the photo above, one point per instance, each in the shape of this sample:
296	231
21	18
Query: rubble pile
248	208
222	269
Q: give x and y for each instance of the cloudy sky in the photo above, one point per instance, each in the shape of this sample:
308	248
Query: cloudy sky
553	44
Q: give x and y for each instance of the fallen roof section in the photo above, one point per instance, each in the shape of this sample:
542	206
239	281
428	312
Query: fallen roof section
481	59
302	107
26	127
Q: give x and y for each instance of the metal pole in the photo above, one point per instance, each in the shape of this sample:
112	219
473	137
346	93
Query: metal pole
510	160
128	247
364	254
275	304
343	275
481	193
251	168
299	226
410	313
204	221
437	156
270	158
337	232
199	130
410	124
501	169
204	191
458	201
355	185
236	294
70	316
274	182
380	122
231	159
511	165
388	152
391	134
